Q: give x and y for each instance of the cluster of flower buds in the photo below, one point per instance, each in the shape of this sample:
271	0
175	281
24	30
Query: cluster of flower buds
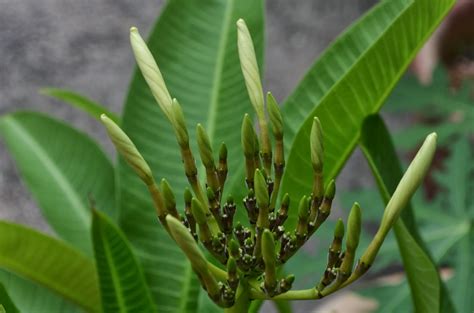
251	255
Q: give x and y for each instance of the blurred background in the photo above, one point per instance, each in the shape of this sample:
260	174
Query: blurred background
84	46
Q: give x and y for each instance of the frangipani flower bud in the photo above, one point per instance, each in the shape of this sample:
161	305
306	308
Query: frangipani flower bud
261	190
200	216
234	249
248	62
169	198
354	222
317	149
179	124
407	186
248	137
303	215
189	246
232	274
275	116
339	229
151	72
223	152
354	225
198	211
128	150
204	146
188	196
269	260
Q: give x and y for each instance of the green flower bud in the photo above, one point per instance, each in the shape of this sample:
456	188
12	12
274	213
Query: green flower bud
303	215
339	229
211	196
223	152
204	145
179	124
188	196
275	116
200	215
169	198
334	250
261	190
234	249
354	222
128	150
269	260
410	181
187	243
352	241
330	190
248	63
317	148
198	211
303	208
268	248
232	274
151	72
222	169
248	137
407	186
198	262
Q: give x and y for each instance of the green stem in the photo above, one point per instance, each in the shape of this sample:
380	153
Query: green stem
242	300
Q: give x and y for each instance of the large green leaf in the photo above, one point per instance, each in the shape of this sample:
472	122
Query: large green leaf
89	106
122	283
195	44
422	273
351	81
50	263
6	301
62	168
31	297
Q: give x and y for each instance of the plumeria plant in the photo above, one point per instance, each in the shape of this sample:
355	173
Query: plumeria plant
251	256
158	231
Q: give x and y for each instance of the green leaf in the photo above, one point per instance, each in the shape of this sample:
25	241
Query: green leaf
31	297
122	283
351	81
459	199
6	301
422	273
62	168
50	263
89	106
195	45
438	109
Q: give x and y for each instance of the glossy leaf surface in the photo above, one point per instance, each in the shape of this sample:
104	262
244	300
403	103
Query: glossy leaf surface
62	168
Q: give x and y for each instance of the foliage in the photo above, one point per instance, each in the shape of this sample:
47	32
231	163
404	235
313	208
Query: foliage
195	47
450	212
435	107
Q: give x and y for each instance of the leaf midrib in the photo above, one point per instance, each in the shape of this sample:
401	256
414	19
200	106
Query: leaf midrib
113	272
63	182
211	114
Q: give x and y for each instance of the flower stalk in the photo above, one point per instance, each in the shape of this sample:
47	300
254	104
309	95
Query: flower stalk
250	256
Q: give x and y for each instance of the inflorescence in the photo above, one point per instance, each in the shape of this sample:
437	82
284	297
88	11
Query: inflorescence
251	254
